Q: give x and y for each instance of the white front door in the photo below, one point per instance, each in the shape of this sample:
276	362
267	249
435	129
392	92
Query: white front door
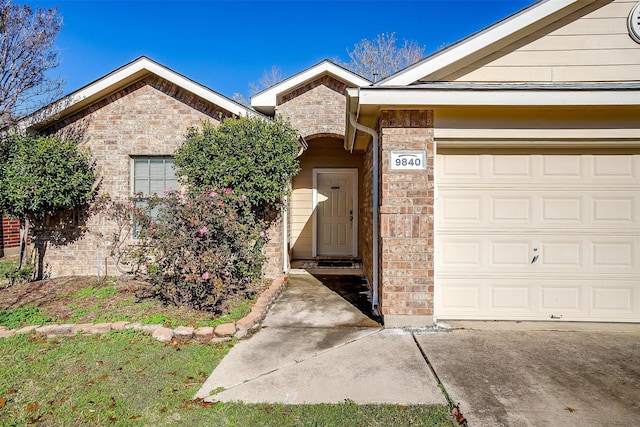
335	201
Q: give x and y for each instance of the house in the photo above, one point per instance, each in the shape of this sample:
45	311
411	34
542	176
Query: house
497	179
528	207
132	120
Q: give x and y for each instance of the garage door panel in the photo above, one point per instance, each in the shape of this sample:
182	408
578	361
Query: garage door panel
540	169
509	298
563	298
539	254
540	236
617	255
521	298
574	209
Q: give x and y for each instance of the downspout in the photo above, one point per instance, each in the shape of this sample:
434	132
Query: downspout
376	255
285	234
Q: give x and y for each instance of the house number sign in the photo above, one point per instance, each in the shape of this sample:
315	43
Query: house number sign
408	160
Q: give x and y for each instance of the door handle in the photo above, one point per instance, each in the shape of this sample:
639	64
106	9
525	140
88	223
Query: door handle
535	255
351	217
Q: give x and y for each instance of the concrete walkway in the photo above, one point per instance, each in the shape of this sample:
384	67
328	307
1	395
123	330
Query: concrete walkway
316	348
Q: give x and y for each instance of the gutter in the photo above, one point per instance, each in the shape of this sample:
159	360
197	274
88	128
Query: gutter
376	256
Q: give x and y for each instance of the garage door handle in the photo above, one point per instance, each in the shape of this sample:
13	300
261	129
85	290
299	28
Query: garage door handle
535	257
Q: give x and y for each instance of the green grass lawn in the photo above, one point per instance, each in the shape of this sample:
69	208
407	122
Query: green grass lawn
127	378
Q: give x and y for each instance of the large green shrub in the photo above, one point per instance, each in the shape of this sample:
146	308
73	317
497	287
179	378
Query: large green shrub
256	157
201	248
41	178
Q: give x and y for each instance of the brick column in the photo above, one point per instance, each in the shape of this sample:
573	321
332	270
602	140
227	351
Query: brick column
274	251
406	221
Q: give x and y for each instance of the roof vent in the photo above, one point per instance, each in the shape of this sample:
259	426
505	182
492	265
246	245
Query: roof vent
634	23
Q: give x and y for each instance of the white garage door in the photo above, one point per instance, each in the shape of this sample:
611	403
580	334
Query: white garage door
538	237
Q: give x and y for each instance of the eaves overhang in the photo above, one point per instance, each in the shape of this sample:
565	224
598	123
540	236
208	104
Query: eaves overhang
119	79
366	103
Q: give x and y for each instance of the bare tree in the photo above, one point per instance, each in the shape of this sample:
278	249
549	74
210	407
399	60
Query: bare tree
27	52
382	56
269	78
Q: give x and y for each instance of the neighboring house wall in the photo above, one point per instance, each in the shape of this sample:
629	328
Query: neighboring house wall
147	118
9	236
591	45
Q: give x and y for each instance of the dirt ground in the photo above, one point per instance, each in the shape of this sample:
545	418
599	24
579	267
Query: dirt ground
59	299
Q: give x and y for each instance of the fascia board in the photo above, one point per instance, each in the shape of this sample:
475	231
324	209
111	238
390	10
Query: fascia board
406	97
268	98
483	40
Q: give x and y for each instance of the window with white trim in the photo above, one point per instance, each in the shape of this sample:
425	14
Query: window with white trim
153	175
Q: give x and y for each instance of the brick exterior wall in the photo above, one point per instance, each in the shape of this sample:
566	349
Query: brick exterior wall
406	221
9	236
148	118
274	250
317	108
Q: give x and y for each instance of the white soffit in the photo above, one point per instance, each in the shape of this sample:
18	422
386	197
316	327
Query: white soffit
491	36
407	96
265	101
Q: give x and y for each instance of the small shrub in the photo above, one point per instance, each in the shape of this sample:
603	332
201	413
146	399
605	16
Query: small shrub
6	267
21	275
23	316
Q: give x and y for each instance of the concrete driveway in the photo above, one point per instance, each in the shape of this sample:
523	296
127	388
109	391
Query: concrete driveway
316	348
529	374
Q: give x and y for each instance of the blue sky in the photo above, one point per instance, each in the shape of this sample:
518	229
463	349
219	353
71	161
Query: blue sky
227	44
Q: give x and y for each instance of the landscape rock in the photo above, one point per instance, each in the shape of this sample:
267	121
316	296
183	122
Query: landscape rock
51	330
203	334
183	334
163	334
247	322
84	328
100	328
225	330
137	326
26	329
116	326
150	328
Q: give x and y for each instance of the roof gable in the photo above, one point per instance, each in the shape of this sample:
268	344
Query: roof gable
117	80
265	101
589	45
485	42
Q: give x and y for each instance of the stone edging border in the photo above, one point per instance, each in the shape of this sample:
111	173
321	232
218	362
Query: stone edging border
182	334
